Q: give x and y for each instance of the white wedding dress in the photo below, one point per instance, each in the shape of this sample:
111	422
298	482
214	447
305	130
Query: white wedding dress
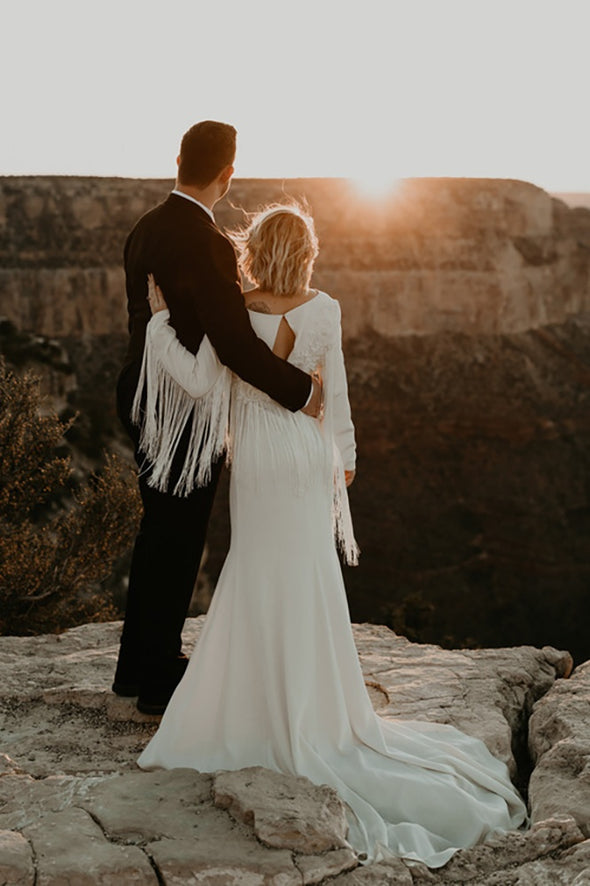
275	679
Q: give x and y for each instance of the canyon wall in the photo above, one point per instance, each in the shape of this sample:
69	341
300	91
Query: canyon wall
469	255
466	313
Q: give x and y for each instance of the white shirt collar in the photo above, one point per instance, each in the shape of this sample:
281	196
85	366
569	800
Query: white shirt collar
192	199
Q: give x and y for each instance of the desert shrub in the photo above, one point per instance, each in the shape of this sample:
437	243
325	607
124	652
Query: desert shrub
59	539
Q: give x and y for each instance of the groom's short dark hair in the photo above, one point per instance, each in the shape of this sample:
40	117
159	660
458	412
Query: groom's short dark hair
206	148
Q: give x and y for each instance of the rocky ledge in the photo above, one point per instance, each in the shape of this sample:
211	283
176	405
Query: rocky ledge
75	809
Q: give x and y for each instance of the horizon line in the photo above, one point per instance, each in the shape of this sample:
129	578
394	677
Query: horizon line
282	178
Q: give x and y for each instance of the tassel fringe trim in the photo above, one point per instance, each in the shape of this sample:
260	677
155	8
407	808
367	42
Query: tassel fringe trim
163	409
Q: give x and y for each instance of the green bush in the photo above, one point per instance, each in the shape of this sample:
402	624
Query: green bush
58	539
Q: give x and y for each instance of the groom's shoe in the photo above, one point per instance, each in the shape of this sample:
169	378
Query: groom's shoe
125	690
154	702
126	680
154	698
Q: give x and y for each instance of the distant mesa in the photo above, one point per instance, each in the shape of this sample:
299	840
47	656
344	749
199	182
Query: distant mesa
470	255
574	199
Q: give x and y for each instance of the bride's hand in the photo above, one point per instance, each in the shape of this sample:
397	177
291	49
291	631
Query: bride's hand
155	296
349	477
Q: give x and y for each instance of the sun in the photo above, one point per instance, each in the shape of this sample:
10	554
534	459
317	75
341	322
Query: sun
374	184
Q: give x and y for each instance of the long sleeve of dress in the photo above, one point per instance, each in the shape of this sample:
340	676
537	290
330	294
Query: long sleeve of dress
197	373
176	390
338	424
343	427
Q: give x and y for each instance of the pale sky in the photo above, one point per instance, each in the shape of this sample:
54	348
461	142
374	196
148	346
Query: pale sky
391	88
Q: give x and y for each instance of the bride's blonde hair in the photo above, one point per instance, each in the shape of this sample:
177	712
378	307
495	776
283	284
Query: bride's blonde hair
278	248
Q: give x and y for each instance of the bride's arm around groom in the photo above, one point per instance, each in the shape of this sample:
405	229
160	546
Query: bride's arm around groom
196	374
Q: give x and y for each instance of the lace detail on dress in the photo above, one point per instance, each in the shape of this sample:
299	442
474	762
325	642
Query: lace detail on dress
243	392
317	335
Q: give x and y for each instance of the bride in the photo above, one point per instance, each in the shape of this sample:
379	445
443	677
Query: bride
275	679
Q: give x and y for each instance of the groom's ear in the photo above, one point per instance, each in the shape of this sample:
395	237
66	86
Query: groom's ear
178	160
226	174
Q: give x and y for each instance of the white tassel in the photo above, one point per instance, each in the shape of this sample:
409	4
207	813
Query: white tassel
167	410
343	528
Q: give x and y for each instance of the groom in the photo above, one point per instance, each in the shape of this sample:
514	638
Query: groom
195	264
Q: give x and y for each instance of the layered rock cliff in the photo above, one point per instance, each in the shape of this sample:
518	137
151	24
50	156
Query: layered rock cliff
467	255
467	336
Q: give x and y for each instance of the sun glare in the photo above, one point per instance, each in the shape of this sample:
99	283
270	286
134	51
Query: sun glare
373	184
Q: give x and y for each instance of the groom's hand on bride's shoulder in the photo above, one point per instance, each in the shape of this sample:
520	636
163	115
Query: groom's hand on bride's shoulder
316	402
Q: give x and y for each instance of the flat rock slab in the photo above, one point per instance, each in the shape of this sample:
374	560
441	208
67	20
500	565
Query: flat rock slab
70	847
24	800
16	860
392	873
315	868
559	739
74	808
221	851
140	807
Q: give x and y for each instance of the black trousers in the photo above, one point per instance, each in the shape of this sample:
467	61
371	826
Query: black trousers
165	562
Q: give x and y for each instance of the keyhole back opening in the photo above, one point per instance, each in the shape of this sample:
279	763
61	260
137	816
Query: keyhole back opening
284	341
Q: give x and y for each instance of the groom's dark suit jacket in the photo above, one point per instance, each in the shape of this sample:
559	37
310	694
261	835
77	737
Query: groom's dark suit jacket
195	265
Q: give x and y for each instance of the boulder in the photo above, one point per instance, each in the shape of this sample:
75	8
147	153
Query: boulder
559	739
284	811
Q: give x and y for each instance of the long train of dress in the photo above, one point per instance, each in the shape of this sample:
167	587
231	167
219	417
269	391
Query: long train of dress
275	679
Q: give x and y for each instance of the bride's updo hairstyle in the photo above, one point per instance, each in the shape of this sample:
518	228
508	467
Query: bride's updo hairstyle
278	248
